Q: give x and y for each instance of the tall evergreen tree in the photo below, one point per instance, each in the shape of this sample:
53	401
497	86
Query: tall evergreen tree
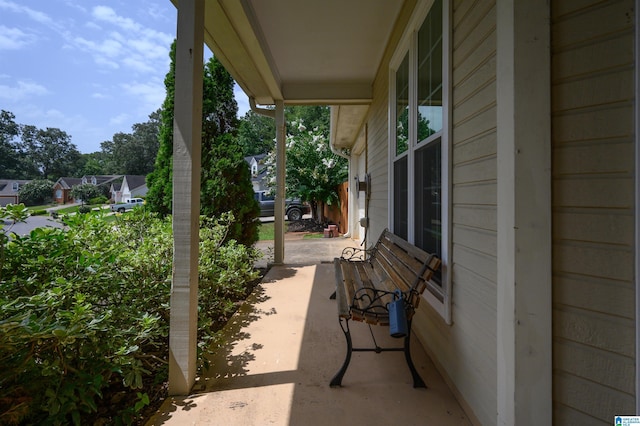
225	179
160	181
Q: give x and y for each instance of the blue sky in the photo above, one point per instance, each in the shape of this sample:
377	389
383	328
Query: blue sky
90	68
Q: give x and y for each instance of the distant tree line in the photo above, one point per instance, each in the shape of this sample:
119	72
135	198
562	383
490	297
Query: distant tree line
27	152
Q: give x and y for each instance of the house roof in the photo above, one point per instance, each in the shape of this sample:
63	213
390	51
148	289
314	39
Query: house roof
135	181
67	182
258	158
6	185
102	179
305	52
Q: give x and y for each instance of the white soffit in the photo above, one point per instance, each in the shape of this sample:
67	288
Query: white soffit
315	52
346	124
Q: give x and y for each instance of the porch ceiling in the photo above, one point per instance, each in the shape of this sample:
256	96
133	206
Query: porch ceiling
303	52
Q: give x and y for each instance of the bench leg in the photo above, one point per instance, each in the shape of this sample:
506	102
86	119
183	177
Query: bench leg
417	380
337	379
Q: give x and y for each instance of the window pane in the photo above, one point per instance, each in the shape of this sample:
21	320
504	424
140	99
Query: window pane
428	208
400	198
430	73
402	106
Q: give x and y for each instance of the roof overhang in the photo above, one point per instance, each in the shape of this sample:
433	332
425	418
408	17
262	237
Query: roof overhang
303	52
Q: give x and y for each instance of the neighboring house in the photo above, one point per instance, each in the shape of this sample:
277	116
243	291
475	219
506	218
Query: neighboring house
133	186
258	171
500	134
115	192
104	180
9	190
115	184
62	189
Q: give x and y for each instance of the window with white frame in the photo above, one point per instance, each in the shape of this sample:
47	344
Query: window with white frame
419	152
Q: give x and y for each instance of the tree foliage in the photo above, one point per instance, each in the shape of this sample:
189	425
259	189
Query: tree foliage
39	191
133	153
10	155
160	181
84	314
86	192
256	134
313	172
50	151
225	177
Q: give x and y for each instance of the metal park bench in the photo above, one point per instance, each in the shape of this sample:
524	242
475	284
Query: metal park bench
382	286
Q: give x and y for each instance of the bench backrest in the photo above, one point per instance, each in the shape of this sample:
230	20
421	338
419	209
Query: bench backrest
407	265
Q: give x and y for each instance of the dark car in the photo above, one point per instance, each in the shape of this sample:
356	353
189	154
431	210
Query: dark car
294	209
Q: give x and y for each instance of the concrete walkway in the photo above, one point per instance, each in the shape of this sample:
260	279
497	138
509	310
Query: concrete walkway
281	349
304	251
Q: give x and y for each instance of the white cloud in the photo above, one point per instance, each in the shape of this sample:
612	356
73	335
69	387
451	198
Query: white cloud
107	14
117	42
14	38
23	90
36	15
100	95
138	64
119	119
93	26
150	94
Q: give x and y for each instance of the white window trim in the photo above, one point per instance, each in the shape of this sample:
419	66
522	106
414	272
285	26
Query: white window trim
408	44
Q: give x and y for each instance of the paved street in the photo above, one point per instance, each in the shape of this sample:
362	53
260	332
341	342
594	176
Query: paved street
32	223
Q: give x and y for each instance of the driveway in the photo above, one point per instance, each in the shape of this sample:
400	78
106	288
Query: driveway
32	222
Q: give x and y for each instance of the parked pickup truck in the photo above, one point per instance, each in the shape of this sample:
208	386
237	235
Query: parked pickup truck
127	205
294	209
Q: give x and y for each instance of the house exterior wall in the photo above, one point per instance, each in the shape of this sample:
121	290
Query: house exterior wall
8	199
65	195
593	210
465	351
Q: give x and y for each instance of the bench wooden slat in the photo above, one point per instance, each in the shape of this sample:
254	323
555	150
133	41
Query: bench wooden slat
364	288
394	265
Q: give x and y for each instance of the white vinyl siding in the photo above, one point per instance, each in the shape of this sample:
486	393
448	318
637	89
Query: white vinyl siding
465	352
593	211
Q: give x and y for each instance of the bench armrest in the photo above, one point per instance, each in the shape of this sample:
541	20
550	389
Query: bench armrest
372	304
356	254
368	298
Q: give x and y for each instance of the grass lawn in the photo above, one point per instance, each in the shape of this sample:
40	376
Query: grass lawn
266	231
42	207
74	209
313	235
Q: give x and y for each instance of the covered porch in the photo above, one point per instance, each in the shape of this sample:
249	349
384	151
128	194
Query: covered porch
280	350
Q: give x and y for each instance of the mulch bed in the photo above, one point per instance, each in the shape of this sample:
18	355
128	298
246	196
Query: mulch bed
305	225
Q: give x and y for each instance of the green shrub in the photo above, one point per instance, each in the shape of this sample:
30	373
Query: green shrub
84	209
99	200
84	314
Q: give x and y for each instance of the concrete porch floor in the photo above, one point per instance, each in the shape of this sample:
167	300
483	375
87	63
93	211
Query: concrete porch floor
283	346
